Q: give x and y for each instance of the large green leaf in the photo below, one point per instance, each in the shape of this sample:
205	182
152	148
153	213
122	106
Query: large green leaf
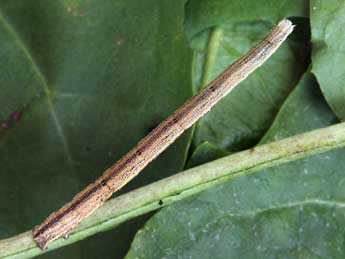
81	82
328	36
292	211
239	26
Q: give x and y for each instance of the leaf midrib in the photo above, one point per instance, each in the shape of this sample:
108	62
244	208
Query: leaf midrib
46	90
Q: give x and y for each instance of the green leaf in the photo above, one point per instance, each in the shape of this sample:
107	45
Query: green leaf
205	152
81	83
294	210
239	26
328	36
202	14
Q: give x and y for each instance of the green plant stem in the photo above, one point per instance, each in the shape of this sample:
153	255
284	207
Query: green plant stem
184	184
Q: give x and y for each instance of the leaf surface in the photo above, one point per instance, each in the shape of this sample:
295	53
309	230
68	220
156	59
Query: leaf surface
328	50
202	14
291	211
81	83
243	116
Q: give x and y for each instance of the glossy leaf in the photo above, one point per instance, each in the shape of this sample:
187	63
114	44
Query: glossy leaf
328	36
239	26
291	211
81	83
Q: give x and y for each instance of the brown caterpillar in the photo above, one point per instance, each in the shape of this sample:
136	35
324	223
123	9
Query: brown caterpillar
61	222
